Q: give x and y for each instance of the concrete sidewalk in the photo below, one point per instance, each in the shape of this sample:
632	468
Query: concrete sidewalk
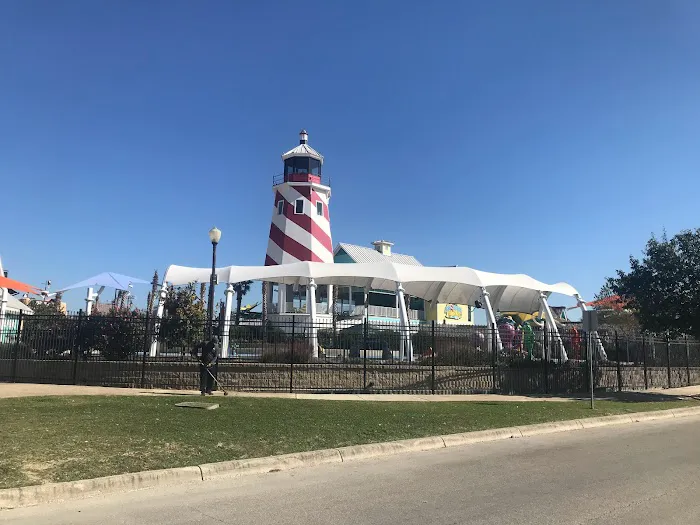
8	390
30	389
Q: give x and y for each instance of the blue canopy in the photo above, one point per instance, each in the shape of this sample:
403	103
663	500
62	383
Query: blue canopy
108	280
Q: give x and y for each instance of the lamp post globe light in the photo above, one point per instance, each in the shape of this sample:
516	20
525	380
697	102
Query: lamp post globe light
214	237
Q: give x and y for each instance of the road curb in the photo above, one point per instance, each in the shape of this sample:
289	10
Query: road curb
241	467
481	436
52	492
38	494
371	450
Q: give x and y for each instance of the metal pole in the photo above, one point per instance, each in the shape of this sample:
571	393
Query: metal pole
212	283
687	359
146	346
432	357
291	357
591	377
668	360
644	358
78	347
619	371
18	335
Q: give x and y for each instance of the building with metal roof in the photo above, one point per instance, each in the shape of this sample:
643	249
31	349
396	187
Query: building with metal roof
382	305
347	253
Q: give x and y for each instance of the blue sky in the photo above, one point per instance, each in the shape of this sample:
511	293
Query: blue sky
544	137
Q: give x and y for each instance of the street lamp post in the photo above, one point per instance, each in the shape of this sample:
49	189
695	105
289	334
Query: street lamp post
214	237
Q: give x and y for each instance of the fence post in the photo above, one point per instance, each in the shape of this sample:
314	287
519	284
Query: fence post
146	347
77	349
668	359
364	357
291	357
687	359
494	357
644	359
591	377
619	371
18	335
432	357
545	356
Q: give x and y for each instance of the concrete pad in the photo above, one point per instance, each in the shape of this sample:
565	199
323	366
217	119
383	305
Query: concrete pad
39	494
481	436
269	464
201	406
549	428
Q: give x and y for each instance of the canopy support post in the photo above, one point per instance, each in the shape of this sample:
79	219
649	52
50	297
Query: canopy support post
311	303
281	298
405	347
159	316
595	337
491	320
227	321
552	330
89	300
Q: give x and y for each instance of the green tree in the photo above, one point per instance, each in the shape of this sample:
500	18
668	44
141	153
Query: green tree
662	288
241	289
184	319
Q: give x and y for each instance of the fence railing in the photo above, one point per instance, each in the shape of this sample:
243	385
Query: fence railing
293	355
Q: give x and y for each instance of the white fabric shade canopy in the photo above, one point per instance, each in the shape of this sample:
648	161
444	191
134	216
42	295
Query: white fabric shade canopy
460	285
509	292
107	279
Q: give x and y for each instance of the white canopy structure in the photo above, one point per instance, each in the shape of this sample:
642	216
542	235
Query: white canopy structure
505	292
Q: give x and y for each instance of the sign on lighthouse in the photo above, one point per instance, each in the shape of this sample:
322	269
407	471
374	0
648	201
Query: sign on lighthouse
300	229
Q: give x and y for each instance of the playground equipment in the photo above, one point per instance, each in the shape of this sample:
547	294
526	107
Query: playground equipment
526	332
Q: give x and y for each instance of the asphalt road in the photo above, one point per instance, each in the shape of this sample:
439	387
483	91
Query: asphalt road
645	473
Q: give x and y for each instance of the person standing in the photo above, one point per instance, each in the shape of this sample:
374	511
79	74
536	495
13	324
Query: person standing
208	363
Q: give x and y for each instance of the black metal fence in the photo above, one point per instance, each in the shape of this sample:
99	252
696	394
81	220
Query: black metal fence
134	350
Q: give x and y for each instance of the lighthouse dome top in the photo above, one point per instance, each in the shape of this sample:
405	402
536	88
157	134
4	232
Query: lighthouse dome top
303	149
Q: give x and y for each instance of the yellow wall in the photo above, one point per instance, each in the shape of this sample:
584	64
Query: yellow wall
449	313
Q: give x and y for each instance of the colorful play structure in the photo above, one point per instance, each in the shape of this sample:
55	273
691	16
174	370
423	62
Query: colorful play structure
523	332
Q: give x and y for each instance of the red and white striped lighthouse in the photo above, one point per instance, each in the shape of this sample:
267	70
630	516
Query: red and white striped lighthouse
300	229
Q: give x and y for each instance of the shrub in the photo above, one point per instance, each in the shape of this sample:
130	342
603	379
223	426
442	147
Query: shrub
116	336
303	353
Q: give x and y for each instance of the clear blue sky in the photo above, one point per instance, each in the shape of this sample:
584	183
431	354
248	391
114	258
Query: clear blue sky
544	137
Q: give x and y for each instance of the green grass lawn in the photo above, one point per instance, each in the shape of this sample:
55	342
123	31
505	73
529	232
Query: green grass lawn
47	439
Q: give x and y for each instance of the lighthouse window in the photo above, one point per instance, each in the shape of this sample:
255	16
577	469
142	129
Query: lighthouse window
299	206
314	167
280	207
319	208
302	165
